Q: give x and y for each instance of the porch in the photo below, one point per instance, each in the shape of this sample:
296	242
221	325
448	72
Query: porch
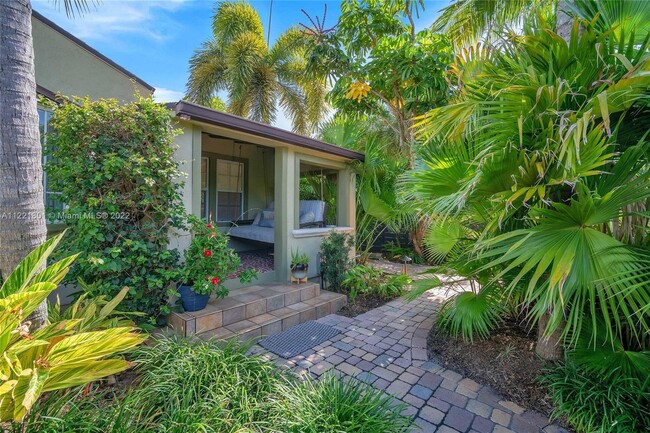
239	171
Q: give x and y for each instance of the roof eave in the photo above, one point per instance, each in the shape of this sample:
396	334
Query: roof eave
190	111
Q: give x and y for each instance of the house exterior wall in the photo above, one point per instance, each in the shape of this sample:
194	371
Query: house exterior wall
63	66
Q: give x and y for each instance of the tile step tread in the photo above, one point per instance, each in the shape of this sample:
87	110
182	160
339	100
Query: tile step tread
256	323
252	294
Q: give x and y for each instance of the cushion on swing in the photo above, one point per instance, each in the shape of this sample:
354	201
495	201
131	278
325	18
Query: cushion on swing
267	219
306	218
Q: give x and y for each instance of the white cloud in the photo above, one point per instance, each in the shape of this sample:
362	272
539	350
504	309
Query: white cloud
110	17
167	95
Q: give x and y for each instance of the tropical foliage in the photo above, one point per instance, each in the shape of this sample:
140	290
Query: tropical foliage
114	166
257	78
62	354
367	280
380	64
538	170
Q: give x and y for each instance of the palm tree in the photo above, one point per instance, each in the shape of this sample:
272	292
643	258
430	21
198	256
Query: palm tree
539	171
257	77
22	211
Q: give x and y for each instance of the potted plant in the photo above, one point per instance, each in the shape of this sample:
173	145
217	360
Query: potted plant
208	261
299	265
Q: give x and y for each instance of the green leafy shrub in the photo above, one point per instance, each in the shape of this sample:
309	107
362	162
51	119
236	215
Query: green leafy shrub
597	403
367	280
59	355
333	405
335	259
114	166
209	260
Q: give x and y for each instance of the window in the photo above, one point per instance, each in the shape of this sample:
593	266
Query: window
52	198
230	192
205	176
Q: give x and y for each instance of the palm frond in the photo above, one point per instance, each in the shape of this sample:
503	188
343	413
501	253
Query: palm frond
208	73
234	18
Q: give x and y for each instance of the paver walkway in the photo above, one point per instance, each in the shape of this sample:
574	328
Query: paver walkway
386	347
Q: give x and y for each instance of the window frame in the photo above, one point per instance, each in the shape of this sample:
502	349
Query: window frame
45	158
212	184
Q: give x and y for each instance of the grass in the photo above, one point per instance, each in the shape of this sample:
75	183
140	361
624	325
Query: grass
194	386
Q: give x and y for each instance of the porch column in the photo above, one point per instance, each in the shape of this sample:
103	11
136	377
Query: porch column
285	193
346	212
196	172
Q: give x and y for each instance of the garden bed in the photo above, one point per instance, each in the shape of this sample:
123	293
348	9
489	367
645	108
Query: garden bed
506	361
362	304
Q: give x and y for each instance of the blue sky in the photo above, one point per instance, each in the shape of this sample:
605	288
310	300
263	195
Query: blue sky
155	39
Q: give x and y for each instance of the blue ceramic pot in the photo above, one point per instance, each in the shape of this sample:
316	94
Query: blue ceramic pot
191	300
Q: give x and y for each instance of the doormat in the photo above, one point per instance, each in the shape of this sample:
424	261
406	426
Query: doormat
296	340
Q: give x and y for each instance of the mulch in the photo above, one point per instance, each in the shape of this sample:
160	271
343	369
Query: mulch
506	361
361	304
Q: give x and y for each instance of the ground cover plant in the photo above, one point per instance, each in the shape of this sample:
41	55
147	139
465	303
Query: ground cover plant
185	385
114	166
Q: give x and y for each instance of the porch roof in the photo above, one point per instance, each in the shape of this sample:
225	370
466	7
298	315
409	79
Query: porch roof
190	111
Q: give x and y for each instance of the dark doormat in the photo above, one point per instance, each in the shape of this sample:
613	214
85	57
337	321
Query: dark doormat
296	340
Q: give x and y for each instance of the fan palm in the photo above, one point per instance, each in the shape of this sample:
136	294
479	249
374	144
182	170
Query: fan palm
540	168
257	78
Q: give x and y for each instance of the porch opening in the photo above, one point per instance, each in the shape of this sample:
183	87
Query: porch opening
237	188
318	193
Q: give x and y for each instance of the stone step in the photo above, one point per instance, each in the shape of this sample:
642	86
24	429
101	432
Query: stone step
279	320
244	304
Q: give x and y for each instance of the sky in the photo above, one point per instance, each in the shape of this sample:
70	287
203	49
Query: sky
155	39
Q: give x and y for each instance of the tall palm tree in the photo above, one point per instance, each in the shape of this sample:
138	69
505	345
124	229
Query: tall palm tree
22	211
257	77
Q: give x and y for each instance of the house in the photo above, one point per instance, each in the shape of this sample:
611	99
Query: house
244	175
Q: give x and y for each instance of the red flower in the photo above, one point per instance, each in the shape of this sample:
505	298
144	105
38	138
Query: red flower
213	234
207	253
210	225
215	280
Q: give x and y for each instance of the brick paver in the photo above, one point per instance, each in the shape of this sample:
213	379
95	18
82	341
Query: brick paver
386	347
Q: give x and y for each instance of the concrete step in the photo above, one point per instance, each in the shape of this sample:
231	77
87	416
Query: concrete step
280	319
260	302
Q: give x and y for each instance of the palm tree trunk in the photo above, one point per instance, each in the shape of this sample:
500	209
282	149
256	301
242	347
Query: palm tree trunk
22	219
549	347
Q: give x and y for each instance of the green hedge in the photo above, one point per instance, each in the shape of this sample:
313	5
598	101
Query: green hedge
114	166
